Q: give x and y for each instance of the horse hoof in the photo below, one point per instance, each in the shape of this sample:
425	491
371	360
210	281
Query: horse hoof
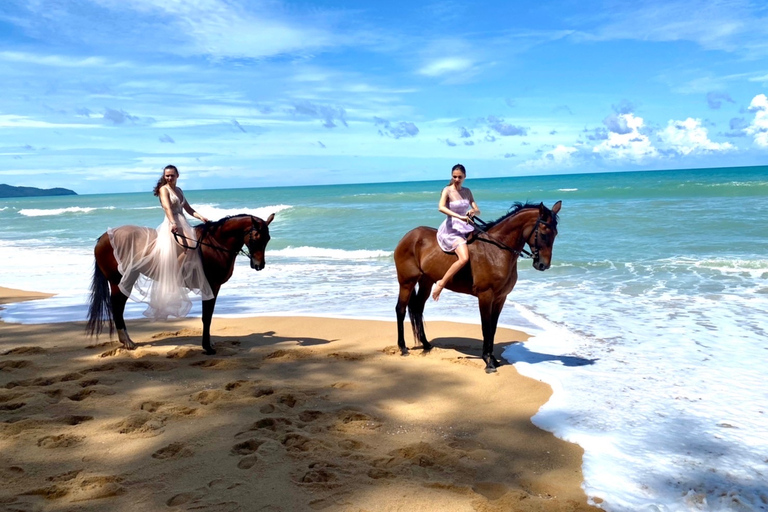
209	351
490	369
404	352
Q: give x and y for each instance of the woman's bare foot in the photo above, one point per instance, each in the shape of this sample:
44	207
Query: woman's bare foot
437	290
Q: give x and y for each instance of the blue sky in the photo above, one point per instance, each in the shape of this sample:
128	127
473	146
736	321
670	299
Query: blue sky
99	95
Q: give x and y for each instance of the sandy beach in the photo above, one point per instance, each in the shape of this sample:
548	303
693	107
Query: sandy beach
292	414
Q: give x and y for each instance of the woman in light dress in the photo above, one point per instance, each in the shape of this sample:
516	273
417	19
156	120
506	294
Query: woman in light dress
457	203
156	268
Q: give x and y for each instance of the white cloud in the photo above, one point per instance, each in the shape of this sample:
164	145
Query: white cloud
14	121
759	126
690	137
630	144
56	60
445	66
216	28
729	25
560	157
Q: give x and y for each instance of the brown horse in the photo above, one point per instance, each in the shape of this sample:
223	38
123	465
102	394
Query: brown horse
490	274
218	242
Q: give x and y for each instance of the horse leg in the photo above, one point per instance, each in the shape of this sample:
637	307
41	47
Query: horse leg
118	309
416	308
406	290
490	310
208	306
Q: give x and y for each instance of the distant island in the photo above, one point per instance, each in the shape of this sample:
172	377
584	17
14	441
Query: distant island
11	191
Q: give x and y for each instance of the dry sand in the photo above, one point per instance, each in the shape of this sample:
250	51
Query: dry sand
292	414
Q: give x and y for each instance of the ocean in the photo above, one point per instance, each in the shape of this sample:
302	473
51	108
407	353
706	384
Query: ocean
650	326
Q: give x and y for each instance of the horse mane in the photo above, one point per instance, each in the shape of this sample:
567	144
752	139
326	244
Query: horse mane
213	225
516	208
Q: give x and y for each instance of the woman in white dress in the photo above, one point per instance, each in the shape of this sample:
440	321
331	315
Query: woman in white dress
156	269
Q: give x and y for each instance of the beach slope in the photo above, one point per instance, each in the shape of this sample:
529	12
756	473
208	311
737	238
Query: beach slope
292	414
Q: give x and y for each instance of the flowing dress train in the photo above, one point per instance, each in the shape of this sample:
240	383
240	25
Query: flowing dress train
158	271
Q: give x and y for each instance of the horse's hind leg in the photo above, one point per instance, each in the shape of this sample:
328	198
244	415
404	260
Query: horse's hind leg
416	308
118	309
406	290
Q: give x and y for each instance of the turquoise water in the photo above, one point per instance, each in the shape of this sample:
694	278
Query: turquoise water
650	325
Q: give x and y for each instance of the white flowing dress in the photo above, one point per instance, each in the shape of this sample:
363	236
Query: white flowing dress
157	270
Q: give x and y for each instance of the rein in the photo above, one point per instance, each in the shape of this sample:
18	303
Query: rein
495	241
200	242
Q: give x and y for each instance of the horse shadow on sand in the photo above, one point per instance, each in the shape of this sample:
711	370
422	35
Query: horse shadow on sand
508	352
190	338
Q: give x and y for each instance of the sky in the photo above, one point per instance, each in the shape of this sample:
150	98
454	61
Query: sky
99	95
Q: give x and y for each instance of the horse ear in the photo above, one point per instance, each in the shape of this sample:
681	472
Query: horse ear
542	209
556	207
270	218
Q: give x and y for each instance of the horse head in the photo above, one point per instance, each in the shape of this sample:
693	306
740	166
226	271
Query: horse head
542	236
256	240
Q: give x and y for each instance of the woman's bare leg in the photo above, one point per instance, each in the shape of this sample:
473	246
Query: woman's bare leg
463	253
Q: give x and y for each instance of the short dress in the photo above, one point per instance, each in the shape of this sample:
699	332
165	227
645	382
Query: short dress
453	232
156	270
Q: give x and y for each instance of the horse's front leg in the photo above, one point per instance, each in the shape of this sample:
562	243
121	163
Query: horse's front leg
208	306
118	310
490	309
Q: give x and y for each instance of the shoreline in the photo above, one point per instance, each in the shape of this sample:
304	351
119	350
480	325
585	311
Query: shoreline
10	295
292	413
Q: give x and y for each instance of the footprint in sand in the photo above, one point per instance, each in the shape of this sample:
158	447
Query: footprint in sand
272	424
218	364
24	351
15	364
134	366
309	416
198	495
295	442
235	385
44	381
248	449
183	353
264	391
347	356
10	429
350	420
207	397
320	473
185	497
85	393
288	400
77	487
12	407
140	424
173	451
60	441
290	354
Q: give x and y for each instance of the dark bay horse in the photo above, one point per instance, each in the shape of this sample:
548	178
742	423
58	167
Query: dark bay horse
490	274
218	242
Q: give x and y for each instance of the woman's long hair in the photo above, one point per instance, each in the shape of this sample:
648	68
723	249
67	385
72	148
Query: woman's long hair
161	181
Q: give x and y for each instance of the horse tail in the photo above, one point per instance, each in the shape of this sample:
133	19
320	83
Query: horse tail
100	308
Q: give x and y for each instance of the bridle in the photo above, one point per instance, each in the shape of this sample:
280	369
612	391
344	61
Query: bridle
198	242
534	253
